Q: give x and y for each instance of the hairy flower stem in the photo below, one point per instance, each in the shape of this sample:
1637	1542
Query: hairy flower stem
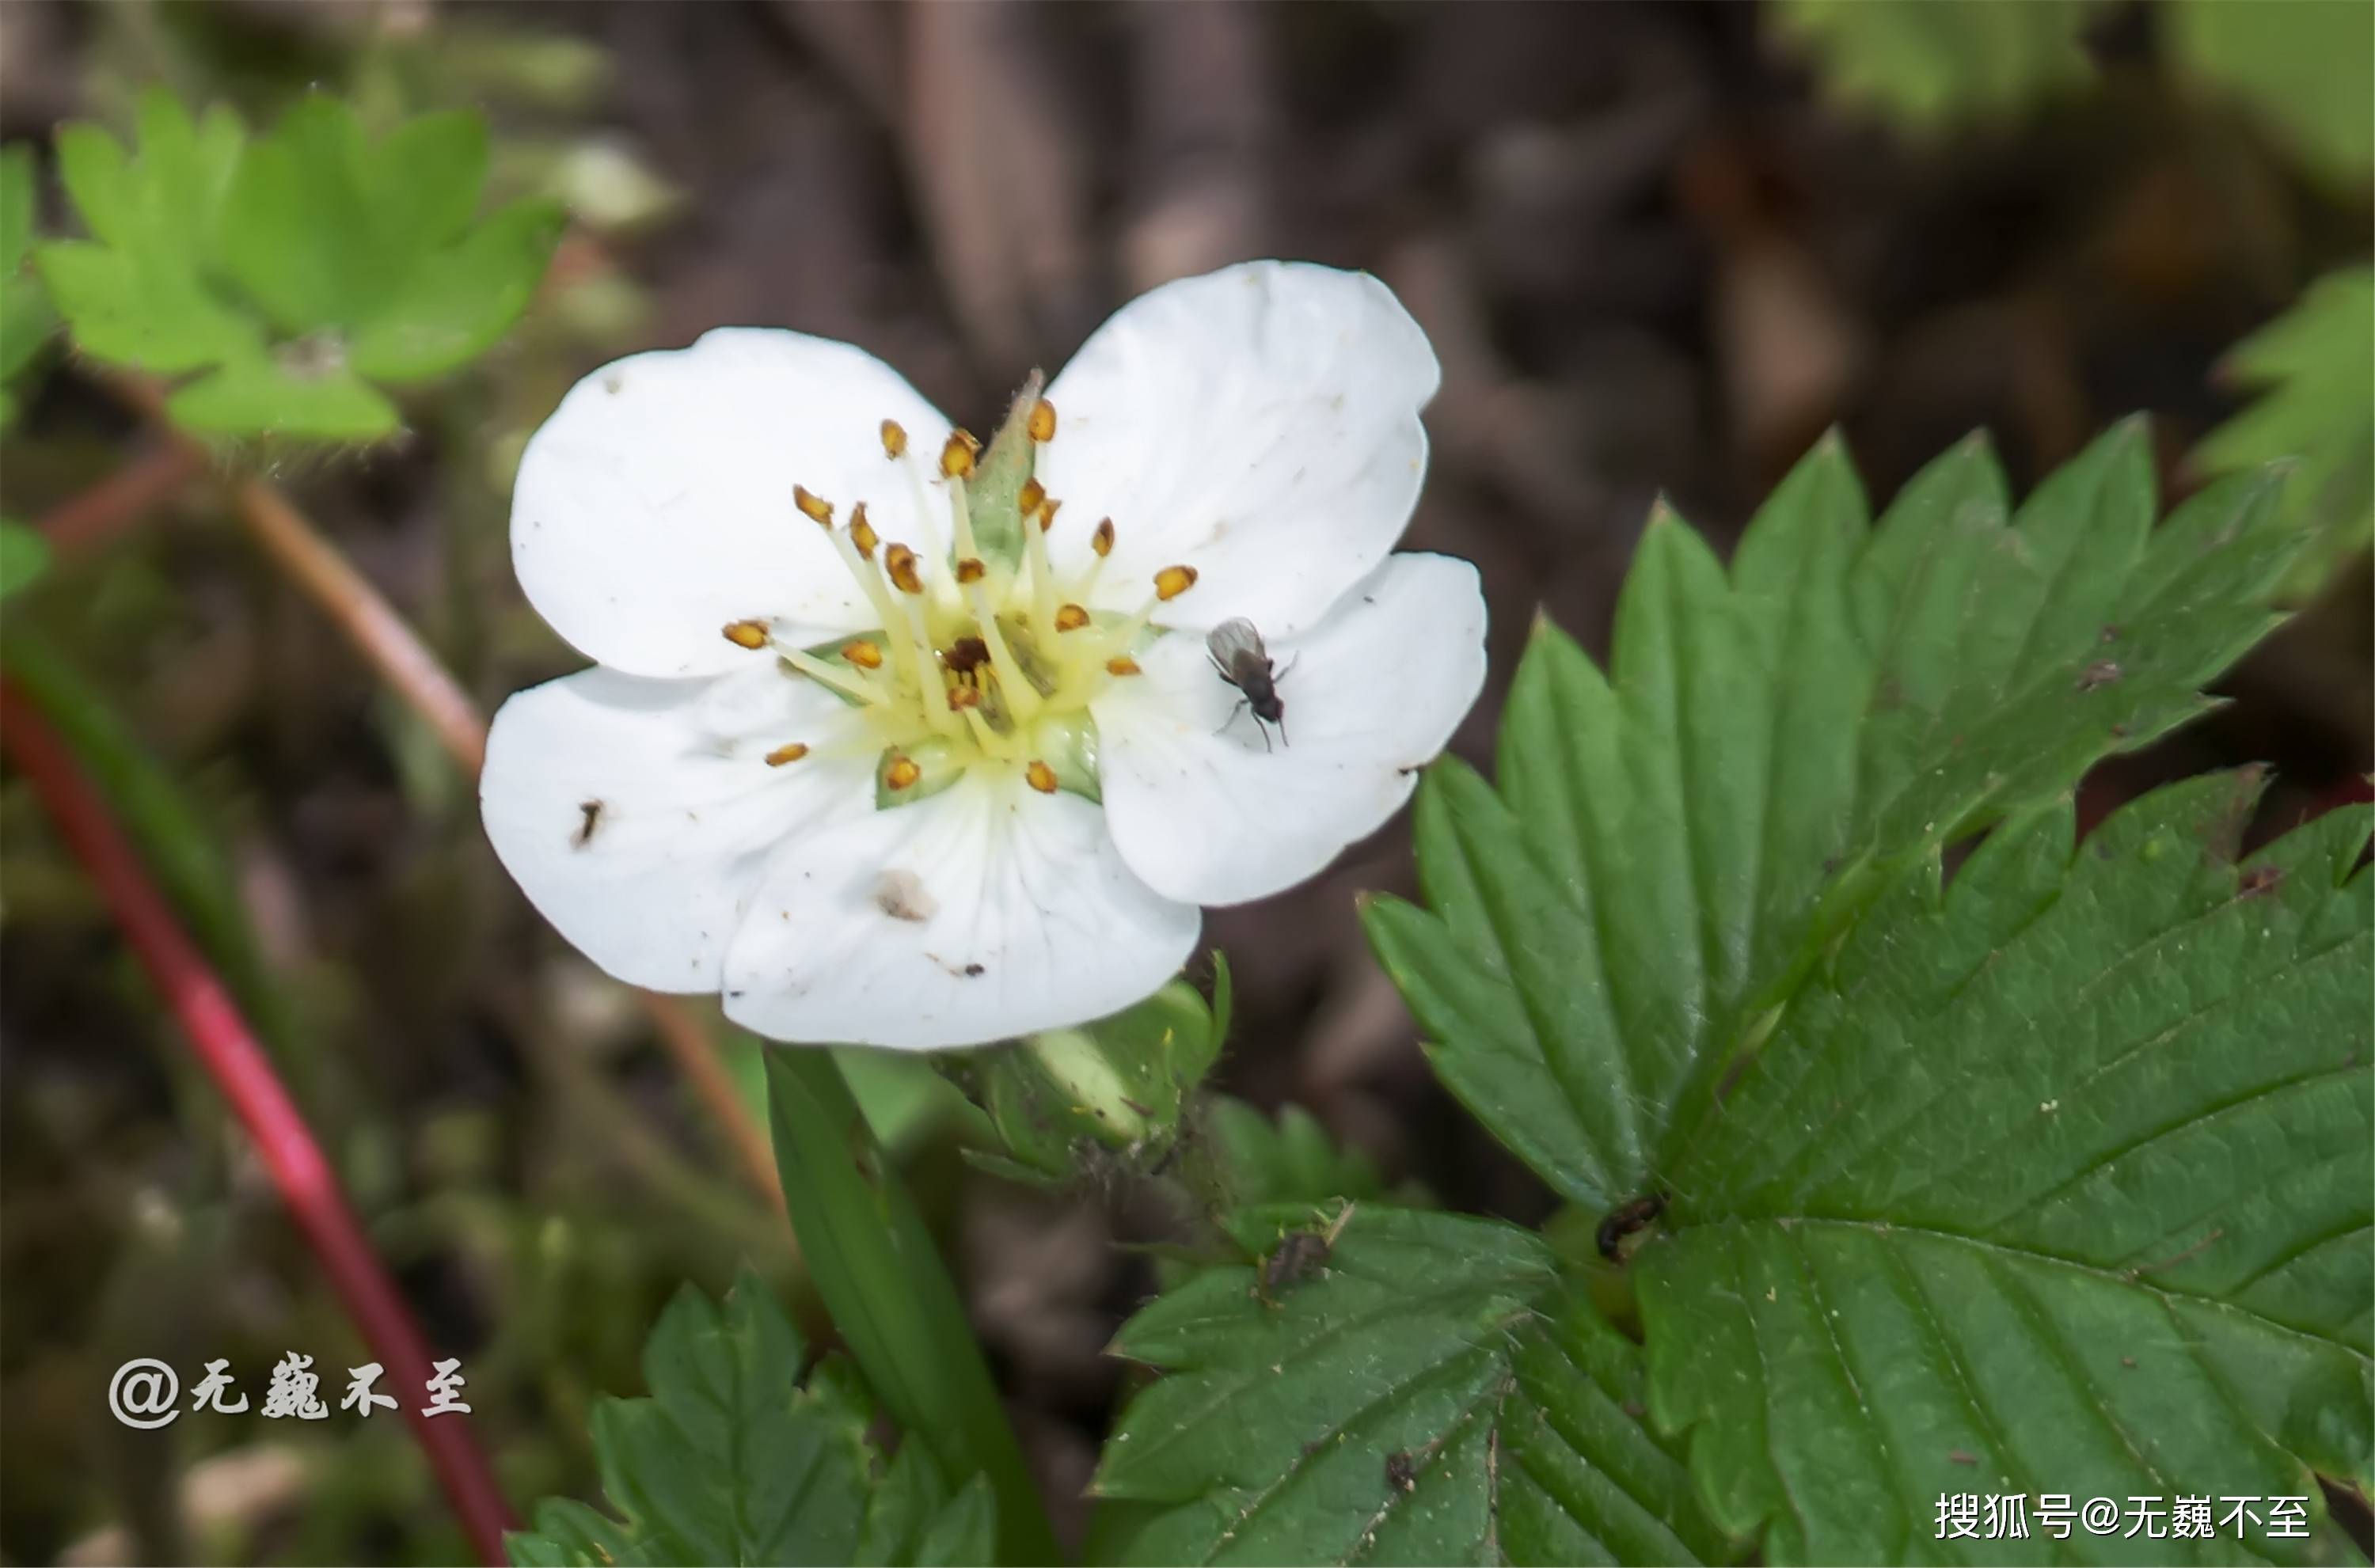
243	1073
397	652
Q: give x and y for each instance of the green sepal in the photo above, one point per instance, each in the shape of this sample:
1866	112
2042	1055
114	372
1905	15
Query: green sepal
993	493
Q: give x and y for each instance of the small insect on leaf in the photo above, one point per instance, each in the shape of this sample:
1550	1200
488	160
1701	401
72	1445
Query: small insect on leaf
1625	1220
1298	1255
1241	660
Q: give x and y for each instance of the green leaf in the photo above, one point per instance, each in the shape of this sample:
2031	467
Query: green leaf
24	556
1431	1391
300	234
259	394
1258	1160
25	315
131	310
881	1276
1672	843
729	1460
2318	411
459	301
298	268
2055	1181
1928	64
2305	69
993	493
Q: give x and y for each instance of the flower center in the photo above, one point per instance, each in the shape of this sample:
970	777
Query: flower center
977	659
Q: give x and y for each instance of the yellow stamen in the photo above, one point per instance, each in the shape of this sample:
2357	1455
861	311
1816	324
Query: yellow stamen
894	438
1173	580
900	561
963	696
819	508
920	648
1124	665
1042	421
1071	618
1041	776
1048	510
783	754
988	739
1102	541
1023	699
840	679
901	773
971	570
861	532
863	654
956	457
746	633
1033	493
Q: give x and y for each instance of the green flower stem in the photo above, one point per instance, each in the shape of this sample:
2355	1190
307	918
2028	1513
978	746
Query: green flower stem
898	1310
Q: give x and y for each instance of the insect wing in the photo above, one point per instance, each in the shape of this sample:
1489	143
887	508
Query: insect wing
1232	639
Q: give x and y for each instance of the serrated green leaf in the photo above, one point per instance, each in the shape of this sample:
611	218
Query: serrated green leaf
912	1518
2305	69
300	234
2055	1183
257	394
1430	1392
126	310
1927	65
2318	411
459	301
1671	847
425	177
24	556
137	294
728	1460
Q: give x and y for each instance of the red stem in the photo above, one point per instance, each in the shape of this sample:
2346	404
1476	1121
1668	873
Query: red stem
239	1066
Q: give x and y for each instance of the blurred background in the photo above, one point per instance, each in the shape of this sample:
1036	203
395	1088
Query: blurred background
1658	247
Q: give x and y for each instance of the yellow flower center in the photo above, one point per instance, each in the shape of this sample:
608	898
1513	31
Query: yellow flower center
974	662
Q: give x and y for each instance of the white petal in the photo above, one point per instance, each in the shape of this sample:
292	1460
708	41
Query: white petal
684	810
656	505
1205	814
1260	424
985	912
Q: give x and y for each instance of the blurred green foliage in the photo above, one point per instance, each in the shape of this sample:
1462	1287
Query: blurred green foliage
2303	70
297	269
2312	366
25	315
1928	64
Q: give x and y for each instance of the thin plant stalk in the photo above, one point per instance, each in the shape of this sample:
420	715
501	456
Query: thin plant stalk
239	1066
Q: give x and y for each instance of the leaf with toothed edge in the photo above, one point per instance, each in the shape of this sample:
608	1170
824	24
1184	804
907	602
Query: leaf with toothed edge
2055	1181
1433	1391
1673	843
732	1461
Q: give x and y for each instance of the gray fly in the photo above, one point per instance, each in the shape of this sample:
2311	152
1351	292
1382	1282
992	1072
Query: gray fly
1237	653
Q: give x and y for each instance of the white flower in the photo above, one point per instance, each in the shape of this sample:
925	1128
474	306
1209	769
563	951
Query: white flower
945	778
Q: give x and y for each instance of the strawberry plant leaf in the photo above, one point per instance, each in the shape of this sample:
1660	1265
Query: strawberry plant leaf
2317	409
1673	843
2305	70
1430	1390
2054	1181
729	1460
299	268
